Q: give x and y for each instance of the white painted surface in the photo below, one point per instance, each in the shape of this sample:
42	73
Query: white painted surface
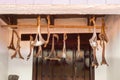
50	2
24	1
60	9
60	1
7	1
113	1
100	2
113	48
78	2
42	2
3	53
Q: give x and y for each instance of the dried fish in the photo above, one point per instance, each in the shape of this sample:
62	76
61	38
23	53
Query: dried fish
94	44
64	52
40	41
103	55
17	50
31	47
11	46
79	55
48	36
103	39
53	55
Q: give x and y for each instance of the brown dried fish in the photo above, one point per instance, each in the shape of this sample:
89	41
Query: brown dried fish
94	44
48	35
79	55
31	47
103	38
11	46
17	50
103	55
52	55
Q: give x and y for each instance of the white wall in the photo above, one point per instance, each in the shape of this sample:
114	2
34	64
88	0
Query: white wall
3	53
60	2
112	51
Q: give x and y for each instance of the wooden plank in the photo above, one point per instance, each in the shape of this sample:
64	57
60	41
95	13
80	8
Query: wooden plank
51	26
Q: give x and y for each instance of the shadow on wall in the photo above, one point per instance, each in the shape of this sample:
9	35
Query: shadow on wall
13	77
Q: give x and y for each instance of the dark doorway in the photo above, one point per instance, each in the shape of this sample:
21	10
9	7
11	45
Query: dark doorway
71	69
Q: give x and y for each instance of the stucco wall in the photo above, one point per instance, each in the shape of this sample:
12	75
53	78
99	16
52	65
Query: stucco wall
3	53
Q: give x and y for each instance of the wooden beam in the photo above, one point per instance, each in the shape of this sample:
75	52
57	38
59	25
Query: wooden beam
58	29
51	26
5	19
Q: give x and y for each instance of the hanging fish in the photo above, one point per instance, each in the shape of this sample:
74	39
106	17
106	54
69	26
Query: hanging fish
31	47
64	55
11	45
79	55
103	39
48	27
17	50
39	53
94	44
40	41
53	55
